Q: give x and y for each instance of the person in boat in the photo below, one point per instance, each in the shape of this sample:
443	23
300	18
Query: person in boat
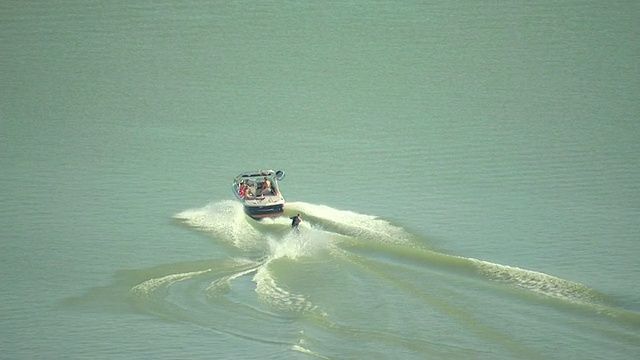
242	189
265	187
245	191
295	221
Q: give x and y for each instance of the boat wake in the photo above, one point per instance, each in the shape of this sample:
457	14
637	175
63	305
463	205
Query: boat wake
358	236
273	274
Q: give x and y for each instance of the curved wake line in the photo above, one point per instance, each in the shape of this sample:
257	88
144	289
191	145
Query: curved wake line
533	282
567	291
223	285
279	298
539	282
151	285
325	227
442	300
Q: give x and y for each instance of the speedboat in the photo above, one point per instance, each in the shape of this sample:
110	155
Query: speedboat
259	193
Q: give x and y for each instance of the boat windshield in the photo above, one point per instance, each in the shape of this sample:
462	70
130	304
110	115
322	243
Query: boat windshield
256	176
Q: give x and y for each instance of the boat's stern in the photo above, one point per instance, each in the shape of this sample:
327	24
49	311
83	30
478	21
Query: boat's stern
261	212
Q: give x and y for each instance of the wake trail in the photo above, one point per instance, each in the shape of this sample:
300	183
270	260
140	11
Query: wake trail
442	300
325	228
